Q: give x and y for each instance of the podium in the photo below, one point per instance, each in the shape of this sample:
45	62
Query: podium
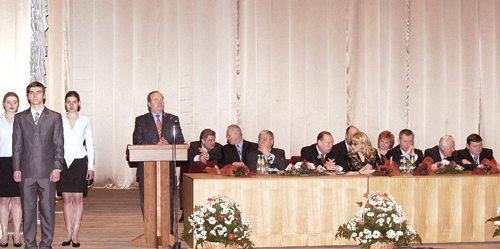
156	160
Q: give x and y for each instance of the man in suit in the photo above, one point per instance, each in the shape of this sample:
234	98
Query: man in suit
206	149
38	157
339	150
157	127
470	157
236	149
405	148
444	150
274	156
319	153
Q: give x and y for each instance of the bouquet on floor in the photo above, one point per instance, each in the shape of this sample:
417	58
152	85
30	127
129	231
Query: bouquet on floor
496	222
220	221
304	169
380	220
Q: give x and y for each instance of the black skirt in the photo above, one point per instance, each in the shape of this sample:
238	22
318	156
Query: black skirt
8	187
74	178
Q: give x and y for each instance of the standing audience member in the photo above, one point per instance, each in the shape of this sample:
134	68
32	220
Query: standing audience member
405	148
38	159
274	156
470	157
9	189
340	149
362	156
319	153
236	149
444	150
385	142
206	149
79	162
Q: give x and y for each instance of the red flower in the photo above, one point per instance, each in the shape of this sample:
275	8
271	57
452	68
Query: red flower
385	194
365	195
361	222
236	218
367	206
231	236
221	216
375	199
381	236
210	199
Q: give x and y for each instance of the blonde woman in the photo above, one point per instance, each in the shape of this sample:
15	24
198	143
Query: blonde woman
362	156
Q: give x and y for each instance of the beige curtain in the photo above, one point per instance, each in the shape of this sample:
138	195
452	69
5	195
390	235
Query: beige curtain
294	67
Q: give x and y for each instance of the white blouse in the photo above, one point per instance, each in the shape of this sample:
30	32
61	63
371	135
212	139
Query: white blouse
5	137
73	140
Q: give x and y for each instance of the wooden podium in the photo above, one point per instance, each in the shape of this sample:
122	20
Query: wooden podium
156	160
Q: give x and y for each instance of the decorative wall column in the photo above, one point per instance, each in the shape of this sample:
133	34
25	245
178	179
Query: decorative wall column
38	44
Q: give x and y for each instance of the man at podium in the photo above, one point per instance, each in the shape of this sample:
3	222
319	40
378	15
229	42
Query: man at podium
157	127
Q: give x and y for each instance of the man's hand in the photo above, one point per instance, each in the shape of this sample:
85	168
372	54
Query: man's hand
465	161
90	175
163	141
330	164
17	176
266	151
203	155
54	176
411	150
238	164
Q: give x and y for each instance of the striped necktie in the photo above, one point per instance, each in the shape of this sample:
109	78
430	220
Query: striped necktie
37	117
158	125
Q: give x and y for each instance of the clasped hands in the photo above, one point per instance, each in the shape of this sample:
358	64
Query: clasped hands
54	176
331	165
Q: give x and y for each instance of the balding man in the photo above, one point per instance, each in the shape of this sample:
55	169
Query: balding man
444	150
274	156
236	149
319	153
339	150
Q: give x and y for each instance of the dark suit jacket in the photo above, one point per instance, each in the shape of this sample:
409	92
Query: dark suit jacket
38	149
145	132
434	154
230	154
396	153
339	153
278	163
465	154
310	154
214	154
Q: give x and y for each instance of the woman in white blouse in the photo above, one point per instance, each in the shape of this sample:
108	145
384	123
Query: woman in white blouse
9	189
79	157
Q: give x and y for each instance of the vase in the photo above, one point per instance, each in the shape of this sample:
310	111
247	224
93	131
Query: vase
216	245
382	245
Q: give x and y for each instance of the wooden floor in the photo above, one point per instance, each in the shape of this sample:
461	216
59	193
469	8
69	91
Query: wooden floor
112	218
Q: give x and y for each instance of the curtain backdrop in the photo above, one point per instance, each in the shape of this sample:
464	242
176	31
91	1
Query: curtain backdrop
294	67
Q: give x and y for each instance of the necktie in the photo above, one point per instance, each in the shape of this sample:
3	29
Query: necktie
323	158
37	116
239	151
158	125
476	160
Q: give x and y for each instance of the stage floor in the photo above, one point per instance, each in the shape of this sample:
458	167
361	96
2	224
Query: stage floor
112	218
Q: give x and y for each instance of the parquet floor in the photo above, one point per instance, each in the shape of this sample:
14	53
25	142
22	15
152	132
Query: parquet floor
112	218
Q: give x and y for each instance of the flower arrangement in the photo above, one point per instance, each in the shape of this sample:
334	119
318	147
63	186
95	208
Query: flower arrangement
390	168
447	167
220	221
487	167
304	168
379	220
496	222
230	170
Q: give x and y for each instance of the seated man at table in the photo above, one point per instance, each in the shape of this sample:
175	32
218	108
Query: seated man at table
339	150
405	148
236	149
445	150
275	157
206	149
470	157
319	153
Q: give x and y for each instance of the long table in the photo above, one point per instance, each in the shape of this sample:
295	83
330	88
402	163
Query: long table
306	211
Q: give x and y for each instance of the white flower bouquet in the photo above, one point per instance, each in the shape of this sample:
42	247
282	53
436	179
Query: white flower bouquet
496	222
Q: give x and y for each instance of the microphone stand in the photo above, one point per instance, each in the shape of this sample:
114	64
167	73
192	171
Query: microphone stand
177	245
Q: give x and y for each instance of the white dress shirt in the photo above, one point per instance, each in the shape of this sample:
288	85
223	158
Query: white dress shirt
5	137
73	140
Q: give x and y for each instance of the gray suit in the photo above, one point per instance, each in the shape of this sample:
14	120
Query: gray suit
37	150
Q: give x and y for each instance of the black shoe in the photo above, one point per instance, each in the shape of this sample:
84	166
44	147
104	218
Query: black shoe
4	244
66	243
18	244
76	244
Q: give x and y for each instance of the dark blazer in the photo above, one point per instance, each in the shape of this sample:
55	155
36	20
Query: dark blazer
214	154
145	132
339	153
278	163
230	154
465	154
434	154
396	153
310	154
38	149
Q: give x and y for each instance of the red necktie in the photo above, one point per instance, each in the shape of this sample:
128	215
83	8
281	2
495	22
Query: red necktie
158	125
323	158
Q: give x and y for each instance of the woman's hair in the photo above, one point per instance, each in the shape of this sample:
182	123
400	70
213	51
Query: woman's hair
387	135
361	138
9	94
72	94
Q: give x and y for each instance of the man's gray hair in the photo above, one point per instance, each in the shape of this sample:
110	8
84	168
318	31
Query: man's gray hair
267	132
444	141
235	128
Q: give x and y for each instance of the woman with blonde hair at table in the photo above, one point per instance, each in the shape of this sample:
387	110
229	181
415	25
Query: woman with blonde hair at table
362	156
9	189
79	158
